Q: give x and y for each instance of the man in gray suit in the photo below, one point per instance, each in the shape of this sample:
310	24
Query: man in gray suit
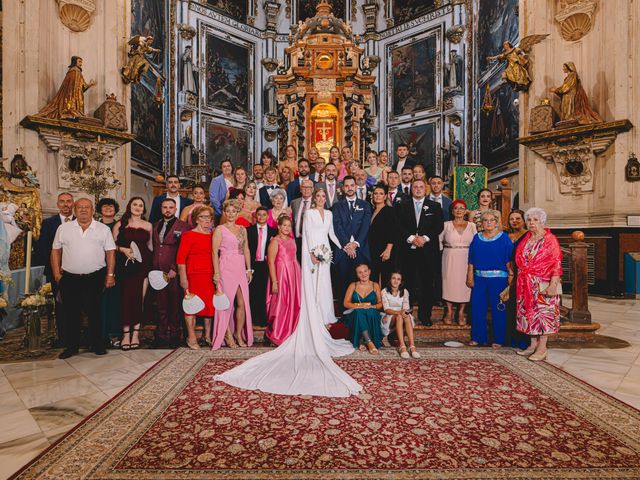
331	185
298	208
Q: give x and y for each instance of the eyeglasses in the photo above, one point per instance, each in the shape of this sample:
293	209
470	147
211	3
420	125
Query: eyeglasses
205	217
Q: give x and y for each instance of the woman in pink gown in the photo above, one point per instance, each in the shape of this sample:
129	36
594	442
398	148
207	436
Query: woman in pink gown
283	289
232	267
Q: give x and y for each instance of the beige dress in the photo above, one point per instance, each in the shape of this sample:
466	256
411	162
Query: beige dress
455	262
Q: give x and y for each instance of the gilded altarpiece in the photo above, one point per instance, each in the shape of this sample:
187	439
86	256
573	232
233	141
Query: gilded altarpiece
324	88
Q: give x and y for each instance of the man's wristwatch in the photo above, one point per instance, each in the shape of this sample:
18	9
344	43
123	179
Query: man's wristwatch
111	274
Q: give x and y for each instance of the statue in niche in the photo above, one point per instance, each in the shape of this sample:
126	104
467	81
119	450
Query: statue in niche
138	63
454	71
575	106
188	153
68	104
189	76
270	99
20	169
517	74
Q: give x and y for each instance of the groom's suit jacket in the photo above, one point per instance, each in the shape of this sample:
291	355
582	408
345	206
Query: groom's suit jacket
348	226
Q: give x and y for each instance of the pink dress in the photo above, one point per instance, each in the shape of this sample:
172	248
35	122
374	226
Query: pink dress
273	222
233	274
283	308
455	256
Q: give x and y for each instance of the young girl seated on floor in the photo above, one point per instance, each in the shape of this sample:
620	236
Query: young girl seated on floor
397	309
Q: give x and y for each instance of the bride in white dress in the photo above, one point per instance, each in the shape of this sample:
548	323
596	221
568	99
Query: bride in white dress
302	365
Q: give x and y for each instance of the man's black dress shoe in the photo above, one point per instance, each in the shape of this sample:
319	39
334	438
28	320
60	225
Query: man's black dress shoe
67	353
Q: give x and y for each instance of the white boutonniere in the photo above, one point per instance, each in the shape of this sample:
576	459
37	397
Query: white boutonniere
177	233
425	208
358	209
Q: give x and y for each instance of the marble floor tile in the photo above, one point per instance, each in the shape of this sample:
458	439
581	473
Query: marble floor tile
112	392
119	378
596	364
625	356
146	356
608	382
59	417
40	376
11	368
10	402
16	425
111	361
633	400
16	453
558	358
5	386
51	392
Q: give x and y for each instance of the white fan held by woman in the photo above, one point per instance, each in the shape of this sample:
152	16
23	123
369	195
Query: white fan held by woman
302	365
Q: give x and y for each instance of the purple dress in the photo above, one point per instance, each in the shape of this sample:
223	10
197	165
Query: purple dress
233	275
133	275
283	308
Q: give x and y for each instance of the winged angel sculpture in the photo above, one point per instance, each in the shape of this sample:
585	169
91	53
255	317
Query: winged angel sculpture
138	64
517	72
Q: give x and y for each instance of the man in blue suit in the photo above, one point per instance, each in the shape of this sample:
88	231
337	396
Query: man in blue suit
351	220
173	192
42	247
293	189
220	187
437	186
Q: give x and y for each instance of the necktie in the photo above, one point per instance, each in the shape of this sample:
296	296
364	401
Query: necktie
67	219
320	178
351	206
259	252
418	206
305	205
163	231
406	190
332	191
390	197
360	193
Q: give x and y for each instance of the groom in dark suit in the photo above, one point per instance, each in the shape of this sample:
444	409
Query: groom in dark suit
420	222
351	220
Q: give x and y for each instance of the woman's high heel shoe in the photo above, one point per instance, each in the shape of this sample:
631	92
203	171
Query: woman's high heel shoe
125	346
240	342
193	346
527	352
539	357
403	352
414	351
228	339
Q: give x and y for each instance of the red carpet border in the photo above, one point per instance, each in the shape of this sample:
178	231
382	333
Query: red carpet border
454	414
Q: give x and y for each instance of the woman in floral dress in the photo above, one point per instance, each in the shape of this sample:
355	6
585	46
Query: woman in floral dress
539	259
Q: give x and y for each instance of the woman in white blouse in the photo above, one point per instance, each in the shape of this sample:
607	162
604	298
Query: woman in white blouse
396	306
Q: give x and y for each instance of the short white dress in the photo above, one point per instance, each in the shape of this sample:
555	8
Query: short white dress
389	302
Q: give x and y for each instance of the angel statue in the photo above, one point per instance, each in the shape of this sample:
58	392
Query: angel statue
517	73
138	63
575	104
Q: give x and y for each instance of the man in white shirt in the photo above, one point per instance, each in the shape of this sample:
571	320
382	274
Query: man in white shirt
395	191
437	186
83	261
258	175
270	183
362	191
331	185
173	192
320	166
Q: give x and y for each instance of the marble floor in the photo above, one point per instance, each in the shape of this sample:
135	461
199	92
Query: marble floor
41	401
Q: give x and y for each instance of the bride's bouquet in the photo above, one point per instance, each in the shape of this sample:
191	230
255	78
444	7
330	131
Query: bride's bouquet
323	253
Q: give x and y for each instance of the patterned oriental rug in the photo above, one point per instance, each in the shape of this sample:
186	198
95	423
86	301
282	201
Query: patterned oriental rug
454	414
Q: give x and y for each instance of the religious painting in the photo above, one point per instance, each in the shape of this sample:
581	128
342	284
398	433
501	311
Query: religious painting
497	22
413	76
232	142
307	8
236	9
146	124
499	126
228	74
422	142
148	17
405	10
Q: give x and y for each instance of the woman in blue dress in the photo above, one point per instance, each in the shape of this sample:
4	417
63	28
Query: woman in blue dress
489	274
364	300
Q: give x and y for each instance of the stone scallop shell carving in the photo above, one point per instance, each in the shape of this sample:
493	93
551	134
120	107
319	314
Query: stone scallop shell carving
575	18
76	14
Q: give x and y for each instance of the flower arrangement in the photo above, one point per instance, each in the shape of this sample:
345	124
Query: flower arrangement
45	290
323	253
32	301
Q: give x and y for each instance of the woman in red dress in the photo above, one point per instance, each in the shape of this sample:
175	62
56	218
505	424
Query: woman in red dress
133	228
195	267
